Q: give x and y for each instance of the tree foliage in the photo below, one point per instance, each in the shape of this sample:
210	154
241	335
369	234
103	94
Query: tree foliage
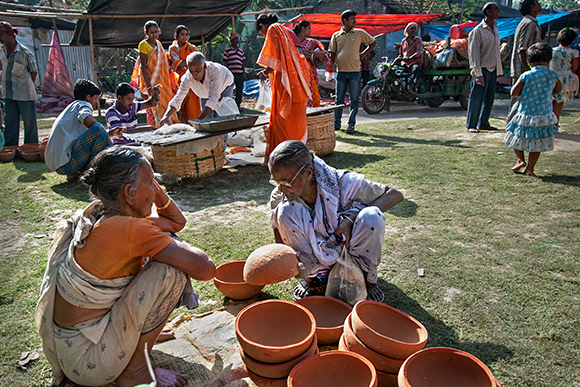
560	5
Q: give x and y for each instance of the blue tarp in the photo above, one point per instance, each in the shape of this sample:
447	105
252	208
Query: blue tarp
506	27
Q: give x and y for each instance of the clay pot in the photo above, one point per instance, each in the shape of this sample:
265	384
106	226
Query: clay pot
387	380
7	155
330	315
11	147
438	367
30	155
334	369
280	370
387	330
229	280
42	149
28	147
275	331
271	264
353	344
44	141
265	382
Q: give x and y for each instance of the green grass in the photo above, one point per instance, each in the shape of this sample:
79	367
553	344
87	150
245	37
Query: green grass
500	250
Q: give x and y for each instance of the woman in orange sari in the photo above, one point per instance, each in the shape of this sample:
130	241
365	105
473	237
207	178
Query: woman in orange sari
151	72
290	81
178	52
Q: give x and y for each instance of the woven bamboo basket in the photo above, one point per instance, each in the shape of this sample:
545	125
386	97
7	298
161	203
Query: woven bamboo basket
321	135
189	165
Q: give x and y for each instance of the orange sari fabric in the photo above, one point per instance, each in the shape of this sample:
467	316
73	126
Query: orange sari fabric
191	106
290	82
159	74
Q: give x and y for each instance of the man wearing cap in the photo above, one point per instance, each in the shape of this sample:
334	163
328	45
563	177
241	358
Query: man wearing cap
234	60
18	91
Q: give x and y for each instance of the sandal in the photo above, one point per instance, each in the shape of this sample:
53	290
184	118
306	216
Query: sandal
315	286
375	294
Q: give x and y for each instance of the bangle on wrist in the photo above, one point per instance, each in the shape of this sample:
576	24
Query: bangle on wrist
346	217
165	206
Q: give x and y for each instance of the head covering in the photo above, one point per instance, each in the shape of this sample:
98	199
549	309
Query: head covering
7	28
409	25
234	35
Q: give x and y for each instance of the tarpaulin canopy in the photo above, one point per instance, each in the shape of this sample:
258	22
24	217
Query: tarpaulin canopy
506	27
326	24
120	23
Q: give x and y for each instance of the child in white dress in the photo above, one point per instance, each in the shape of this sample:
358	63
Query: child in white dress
565	62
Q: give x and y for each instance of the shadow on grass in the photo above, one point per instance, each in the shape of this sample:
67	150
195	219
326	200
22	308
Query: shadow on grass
562	179
441	335
378	140
33	172
405	209
347	160
76	191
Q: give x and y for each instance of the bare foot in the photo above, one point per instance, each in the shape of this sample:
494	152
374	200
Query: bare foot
519	165
166	334
529	173
169	378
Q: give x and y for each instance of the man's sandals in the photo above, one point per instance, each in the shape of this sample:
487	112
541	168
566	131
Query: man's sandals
317	287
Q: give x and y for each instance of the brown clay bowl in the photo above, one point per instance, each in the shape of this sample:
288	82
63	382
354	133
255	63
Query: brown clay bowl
28	147
353	344
10	147
7	155
330	315
275	331
387	330
30	155
334	369
280	370
387	380
42	149
44	141
265	382
229	280
438	367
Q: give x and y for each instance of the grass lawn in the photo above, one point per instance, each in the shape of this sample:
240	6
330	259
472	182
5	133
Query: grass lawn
500	250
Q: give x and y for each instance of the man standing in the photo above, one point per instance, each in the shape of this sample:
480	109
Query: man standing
20	70
527	33
485	62
234	60
210	81
344	50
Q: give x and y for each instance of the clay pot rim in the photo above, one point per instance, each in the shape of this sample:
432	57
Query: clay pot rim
308	338
348	327
4	150
326	329
371	367
250	372
10	147
424	335
405	367
230	263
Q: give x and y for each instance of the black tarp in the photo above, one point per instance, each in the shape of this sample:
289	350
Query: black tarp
128	32
34	22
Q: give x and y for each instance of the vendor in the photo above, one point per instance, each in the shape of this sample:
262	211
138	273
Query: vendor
101	302
210	81
76	137
314	203
412	52
122	115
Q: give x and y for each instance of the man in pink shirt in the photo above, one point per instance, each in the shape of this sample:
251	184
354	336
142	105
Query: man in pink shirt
412	52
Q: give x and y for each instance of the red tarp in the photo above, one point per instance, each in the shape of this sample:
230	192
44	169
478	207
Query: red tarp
325	24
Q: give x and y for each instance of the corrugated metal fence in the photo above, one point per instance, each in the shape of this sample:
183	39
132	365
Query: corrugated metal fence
78	59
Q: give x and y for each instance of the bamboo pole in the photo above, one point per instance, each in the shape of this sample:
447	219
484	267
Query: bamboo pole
93	59
104	16
202	45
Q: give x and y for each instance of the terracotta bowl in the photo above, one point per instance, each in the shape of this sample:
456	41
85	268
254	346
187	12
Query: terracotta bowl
7	155
438	367
271	264
44	141
229	280
42	149
353	344
280	370
330	315
30	155
334	369
11	147
387	380
28	147
265	382
275	331
387	330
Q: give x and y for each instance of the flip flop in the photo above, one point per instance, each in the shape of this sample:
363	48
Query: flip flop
473	130
376	294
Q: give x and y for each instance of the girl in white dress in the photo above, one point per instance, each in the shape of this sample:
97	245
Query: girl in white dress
565	62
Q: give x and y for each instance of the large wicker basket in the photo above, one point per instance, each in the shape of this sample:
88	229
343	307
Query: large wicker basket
321	135
191	165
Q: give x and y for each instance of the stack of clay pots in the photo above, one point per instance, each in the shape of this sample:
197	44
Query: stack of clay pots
274	336
42	147
383	335
330	315
30	152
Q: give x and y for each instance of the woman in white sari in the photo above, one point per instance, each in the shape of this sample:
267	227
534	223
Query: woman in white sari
316	208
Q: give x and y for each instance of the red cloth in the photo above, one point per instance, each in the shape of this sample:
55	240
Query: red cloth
326	24
57	89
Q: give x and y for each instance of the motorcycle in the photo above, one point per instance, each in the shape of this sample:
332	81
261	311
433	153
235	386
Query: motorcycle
393	83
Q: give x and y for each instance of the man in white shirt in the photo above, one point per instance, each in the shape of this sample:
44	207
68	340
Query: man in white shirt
210	81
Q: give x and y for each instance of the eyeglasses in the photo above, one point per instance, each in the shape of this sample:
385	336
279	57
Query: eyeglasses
277	183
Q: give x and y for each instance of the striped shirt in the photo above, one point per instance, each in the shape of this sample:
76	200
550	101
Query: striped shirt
19	86
116	117
484	49
235	59
527	33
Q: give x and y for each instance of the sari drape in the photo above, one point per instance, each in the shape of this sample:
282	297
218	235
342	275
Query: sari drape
311	45
158	69
290	87
191	106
